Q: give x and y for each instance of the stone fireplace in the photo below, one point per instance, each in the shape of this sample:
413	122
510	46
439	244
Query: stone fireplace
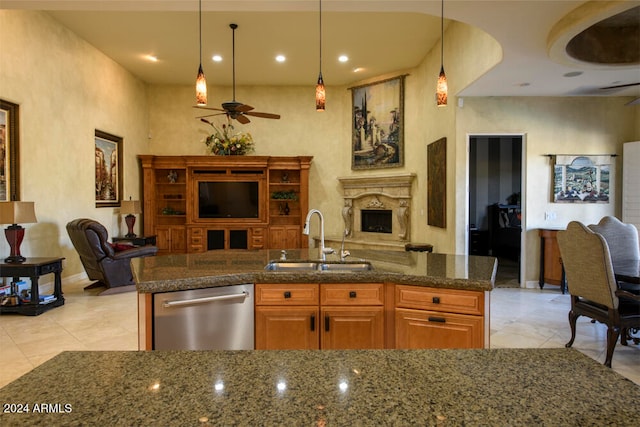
377	209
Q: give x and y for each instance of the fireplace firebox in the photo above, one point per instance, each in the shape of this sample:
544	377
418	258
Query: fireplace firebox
376	221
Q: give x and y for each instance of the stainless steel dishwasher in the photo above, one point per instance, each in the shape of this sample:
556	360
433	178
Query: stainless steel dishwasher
218	318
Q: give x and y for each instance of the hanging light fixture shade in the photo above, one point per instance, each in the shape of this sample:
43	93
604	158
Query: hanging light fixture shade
441	88
320	93
201	81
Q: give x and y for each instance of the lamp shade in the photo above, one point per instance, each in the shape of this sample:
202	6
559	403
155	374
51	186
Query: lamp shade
17	212
131	207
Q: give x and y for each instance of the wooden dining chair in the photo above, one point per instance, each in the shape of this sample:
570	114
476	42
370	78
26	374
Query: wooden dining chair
592	285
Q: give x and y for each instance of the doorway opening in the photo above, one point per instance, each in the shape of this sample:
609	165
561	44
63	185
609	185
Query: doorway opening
495	207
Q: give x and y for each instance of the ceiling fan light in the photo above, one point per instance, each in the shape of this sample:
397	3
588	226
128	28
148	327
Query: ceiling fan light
441	89
201	88
320	94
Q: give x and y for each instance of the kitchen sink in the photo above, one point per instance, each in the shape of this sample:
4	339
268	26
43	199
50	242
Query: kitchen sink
292	266
346	266
301	266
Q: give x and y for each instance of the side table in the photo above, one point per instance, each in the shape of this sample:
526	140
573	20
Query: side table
551	269
34	268
136	241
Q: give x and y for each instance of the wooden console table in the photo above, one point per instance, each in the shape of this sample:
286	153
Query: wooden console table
551	268
34	268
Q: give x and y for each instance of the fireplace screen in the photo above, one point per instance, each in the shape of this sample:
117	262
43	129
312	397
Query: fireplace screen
376	221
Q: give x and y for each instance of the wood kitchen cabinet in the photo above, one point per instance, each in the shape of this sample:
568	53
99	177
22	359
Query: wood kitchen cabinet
440	318
312	316
551	270
352	315
287	317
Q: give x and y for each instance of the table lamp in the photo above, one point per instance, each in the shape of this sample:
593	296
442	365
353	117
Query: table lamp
13	213
131	208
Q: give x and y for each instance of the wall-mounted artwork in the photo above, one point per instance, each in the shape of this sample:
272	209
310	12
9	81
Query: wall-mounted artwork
108	161
582	179
437	183
378	125
9	141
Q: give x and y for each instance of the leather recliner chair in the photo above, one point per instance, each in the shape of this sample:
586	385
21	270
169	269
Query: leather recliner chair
102	263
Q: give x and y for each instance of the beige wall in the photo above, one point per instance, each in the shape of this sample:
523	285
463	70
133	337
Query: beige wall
66	89
585	125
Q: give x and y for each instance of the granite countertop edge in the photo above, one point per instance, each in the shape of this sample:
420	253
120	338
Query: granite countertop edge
375	276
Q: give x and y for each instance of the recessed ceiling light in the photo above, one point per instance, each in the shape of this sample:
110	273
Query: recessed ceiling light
281	58
573	74
358	70
343	58
217	58
151	58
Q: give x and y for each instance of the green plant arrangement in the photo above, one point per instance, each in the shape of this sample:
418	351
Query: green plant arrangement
224	142
284	195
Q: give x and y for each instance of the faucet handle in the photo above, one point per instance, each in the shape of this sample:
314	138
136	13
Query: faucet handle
328	251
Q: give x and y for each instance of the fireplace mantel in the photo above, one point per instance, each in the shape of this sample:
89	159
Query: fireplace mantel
377	192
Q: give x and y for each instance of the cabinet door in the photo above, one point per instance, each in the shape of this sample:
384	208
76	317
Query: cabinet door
171	239
431	329
284	236
552	262
286	328
352	327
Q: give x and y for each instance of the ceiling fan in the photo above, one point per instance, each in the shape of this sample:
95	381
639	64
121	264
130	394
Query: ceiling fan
234	109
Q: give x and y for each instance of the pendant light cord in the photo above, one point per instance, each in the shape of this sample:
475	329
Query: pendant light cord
442	34
200	27
320	37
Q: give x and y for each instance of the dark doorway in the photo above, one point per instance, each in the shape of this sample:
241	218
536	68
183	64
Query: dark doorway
495	209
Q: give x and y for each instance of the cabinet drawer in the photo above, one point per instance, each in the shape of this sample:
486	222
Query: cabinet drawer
287	294
431	329
352	294
445	300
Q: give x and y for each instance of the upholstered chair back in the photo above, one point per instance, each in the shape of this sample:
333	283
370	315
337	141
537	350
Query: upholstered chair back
587	264
622	238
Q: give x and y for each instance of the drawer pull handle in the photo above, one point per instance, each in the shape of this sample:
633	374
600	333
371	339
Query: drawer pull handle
313	322
437	319
352	294
326	323
287	294
436	300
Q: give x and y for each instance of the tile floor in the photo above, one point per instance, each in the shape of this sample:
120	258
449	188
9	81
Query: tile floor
523	318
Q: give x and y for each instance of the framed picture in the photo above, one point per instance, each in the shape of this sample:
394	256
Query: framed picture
108	161
9	150
378	125
582	179
437	183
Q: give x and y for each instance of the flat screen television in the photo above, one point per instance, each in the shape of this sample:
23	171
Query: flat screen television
228	199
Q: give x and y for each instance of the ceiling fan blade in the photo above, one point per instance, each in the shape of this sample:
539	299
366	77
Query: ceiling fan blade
242	119
210	115
620	86
207	108
243	108
263	115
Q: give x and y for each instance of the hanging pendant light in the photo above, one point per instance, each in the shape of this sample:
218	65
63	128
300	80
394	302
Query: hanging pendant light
320	93
201	81
441	88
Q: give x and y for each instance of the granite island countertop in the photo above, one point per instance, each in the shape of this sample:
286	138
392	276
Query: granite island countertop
178	272
501	387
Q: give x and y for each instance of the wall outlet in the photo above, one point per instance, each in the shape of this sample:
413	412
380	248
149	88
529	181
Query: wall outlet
550	216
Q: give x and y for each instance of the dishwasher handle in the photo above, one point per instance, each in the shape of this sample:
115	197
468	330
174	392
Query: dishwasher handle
179	303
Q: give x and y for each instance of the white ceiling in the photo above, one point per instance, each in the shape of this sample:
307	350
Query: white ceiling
378	36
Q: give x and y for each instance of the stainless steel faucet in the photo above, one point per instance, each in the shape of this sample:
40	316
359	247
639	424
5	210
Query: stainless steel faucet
344	254
323	251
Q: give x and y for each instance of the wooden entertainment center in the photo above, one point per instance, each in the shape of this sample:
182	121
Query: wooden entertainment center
199	203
